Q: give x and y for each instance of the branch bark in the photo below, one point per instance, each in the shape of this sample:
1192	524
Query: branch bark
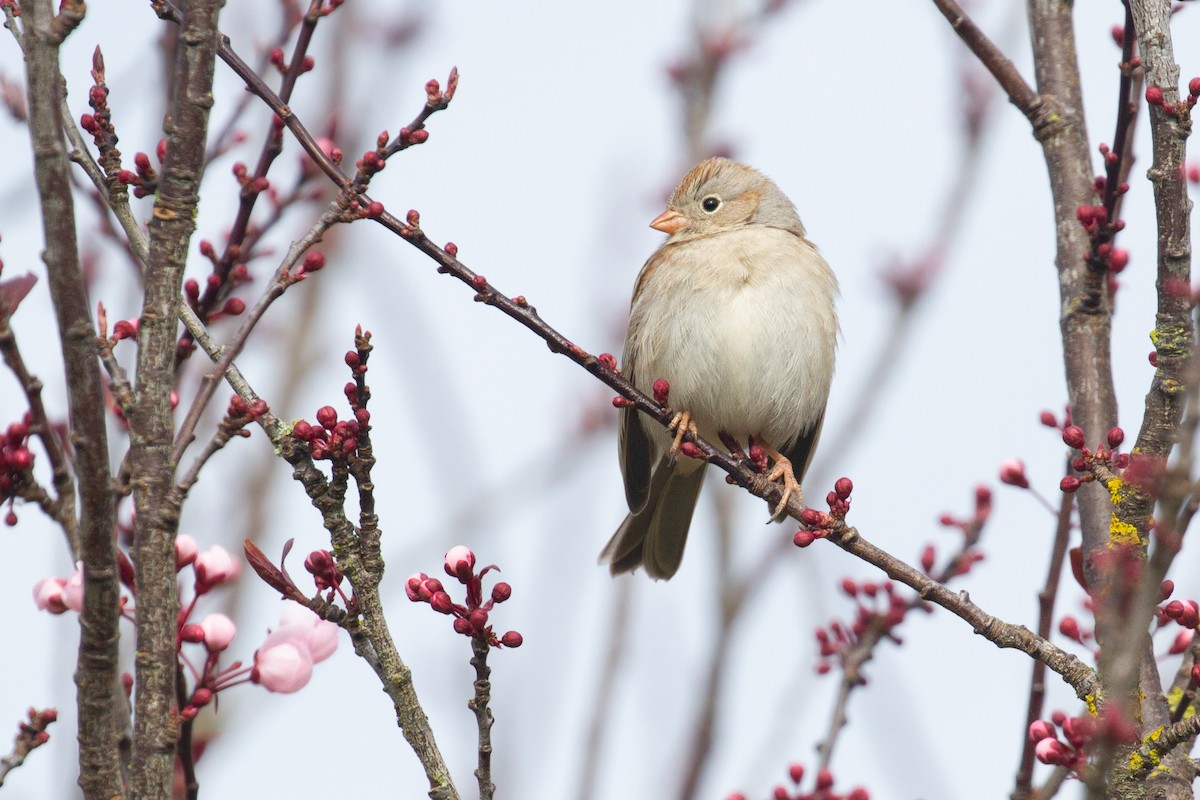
96	670
152	433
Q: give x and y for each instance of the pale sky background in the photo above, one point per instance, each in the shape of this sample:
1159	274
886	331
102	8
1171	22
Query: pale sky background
546	170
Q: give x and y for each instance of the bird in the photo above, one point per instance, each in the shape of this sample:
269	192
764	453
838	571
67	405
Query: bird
736	311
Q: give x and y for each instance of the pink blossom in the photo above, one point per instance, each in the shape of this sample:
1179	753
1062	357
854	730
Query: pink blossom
219	631
1012	472
213	567
459	562
73	592
1041	729
282	666
48	595
318	635
1183	640
186	550
1051	751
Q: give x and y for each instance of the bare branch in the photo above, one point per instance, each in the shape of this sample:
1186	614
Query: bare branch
96	672
156	728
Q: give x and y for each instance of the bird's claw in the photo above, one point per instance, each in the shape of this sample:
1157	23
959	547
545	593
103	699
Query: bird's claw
681	424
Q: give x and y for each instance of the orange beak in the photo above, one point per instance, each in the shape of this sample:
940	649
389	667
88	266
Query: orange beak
669	221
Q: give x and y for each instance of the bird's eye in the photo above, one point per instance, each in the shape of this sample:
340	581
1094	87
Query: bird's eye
710	204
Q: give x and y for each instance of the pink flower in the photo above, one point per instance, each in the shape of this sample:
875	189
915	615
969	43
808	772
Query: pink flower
282	664
219	631
73	592
186	550
320	636
459	562
1041	729
285	661
213	567
1051	751
48	595
1012	472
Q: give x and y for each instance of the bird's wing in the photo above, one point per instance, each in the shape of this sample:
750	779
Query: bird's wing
635	451
801	451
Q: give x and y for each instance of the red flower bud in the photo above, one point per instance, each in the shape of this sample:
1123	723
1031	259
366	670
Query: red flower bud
804	538
327	417
1070	484
843	488
928	555
1154	96
512	639
314	261
662	391
441	603
1118	260
1012	472
1073	436
192	633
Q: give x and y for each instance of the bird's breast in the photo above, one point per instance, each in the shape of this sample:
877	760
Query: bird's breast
742	327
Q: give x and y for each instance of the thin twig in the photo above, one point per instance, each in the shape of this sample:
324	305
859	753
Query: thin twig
483	716
1019	92
1037	682
62	507
282	279
30	736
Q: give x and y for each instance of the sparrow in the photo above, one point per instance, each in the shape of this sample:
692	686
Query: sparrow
736	312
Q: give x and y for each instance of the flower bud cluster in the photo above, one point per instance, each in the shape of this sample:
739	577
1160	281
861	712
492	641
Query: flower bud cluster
240	414
967	554
324	570
437	99
878	611
1155	98
820	523
1185	614
973	525
144	181
1079	736
822	788
32	733
99	123
331	438
1105	462
16	464
470	617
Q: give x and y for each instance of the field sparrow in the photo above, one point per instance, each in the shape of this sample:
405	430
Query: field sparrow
736	312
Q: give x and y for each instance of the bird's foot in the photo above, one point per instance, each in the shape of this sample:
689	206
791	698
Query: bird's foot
782	471
681	424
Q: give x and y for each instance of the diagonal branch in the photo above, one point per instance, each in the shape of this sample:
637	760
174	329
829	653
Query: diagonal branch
1006	74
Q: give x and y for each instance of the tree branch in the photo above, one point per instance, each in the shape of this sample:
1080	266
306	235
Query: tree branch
157	498
96	670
